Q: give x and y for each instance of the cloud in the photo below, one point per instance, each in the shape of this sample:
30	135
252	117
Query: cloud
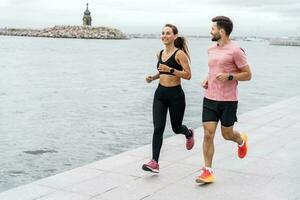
249	16
254	3
287	8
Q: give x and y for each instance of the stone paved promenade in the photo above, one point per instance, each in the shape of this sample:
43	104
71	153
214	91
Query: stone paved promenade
270	171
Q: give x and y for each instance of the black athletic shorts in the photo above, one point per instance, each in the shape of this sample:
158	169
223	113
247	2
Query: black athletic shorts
225	111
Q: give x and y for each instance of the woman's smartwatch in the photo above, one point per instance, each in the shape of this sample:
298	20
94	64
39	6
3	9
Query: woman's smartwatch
230	77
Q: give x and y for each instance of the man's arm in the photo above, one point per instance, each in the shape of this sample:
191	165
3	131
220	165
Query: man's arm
244	75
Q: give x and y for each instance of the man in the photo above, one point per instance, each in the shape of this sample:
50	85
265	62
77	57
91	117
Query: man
227	65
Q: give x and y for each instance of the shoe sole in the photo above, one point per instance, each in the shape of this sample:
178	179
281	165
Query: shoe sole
148	169
203	181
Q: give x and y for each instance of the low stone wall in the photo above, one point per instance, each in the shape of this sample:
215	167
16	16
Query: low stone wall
84	32
285	42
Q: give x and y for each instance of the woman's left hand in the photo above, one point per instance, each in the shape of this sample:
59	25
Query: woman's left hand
163	68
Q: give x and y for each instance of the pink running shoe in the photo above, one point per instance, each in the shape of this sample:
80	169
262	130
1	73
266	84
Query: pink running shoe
151	166
190	141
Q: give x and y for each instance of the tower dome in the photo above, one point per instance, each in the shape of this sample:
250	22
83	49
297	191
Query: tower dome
87	19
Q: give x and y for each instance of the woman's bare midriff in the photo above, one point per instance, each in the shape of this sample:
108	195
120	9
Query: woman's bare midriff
169	80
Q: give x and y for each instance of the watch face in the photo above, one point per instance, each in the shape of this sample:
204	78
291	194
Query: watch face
230	77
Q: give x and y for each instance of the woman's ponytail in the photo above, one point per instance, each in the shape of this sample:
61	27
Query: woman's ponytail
181	43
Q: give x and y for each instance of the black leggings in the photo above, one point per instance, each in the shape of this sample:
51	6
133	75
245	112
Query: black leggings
165	98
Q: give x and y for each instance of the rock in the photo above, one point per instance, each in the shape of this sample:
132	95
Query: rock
86	32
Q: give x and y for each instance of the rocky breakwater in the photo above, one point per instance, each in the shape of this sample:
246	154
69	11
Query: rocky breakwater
83	32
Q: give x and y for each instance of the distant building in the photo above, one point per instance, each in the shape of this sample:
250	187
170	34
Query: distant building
87	19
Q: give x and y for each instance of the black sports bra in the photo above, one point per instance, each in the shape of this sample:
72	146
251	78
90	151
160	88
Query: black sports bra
171	62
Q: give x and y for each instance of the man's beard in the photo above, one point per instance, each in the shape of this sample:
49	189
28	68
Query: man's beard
216	37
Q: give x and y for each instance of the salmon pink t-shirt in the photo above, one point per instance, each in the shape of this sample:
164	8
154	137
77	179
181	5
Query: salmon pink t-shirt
229	58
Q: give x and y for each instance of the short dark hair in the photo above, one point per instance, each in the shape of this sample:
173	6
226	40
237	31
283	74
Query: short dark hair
224	23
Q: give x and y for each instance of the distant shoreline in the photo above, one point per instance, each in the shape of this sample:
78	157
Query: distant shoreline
157	36
285	42
76	32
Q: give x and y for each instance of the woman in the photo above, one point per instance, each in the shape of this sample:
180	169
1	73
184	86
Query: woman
172	66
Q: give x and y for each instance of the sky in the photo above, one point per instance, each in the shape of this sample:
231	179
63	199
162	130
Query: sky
268	18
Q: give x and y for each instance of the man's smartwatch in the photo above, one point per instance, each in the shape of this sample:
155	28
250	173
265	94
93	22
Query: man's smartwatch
172	71
230	77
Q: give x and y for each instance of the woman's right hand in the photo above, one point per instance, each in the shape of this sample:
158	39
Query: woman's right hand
149	79
205	84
